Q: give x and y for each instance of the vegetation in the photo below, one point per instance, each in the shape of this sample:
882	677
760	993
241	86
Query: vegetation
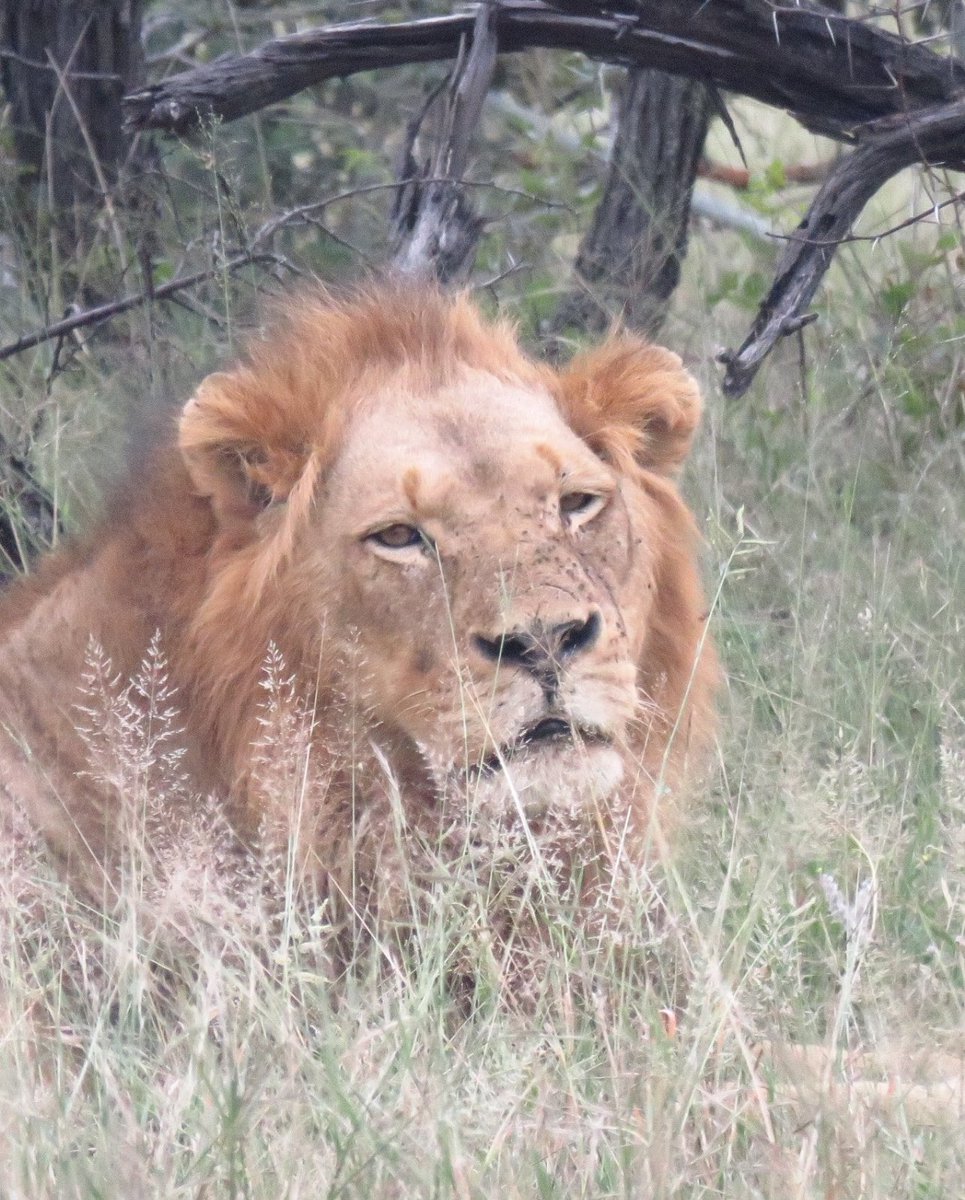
817	893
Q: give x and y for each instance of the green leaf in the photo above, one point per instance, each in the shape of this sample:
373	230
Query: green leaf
895	297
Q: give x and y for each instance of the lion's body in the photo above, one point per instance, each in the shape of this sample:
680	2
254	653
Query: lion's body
478	572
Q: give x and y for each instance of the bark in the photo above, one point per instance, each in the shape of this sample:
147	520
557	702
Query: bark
629	261
436	229
65	66
832	73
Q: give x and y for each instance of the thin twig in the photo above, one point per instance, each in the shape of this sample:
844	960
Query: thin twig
95	162
36	65
306	210
104	312
253	254
871	237
494	279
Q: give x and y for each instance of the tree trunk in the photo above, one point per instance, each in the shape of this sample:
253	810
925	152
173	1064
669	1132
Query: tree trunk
27	515
65	66
629	262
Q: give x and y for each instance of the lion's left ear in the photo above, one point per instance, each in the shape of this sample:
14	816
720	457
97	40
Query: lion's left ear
628	399
232	453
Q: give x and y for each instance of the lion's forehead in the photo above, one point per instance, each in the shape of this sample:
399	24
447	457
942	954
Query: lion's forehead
477	431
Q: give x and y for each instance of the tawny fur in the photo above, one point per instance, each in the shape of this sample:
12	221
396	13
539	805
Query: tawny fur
256	527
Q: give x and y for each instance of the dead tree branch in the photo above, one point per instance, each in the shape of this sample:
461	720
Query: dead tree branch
104	312
437	230
832	73
897	102
934	135
257	251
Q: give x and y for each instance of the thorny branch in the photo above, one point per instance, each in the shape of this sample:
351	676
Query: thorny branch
933	135
831	72
925	213
898	103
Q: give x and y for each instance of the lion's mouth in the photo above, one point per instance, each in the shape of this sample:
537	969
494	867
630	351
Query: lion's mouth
550	729
545	732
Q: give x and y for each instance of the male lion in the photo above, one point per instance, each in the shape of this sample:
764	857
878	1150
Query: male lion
472	577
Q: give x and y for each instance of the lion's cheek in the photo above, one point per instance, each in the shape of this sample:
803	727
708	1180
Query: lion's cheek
636	613
399	641
399	678
393	614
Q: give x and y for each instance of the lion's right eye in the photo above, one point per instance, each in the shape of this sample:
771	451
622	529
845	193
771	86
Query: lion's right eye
574	503
577	508
398	536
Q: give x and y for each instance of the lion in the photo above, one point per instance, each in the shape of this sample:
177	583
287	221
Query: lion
473	574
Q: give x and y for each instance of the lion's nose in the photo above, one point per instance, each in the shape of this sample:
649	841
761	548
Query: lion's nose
541	649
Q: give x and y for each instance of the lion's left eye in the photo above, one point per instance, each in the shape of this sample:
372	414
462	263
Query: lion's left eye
581	505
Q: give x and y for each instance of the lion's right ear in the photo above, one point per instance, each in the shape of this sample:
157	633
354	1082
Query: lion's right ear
231	451
632	401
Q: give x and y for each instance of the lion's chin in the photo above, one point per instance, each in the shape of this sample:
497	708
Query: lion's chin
551	778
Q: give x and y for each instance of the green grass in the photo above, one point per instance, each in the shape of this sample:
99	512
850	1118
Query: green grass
214	1056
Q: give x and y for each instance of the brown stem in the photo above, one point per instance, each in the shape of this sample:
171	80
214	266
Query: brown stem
104	312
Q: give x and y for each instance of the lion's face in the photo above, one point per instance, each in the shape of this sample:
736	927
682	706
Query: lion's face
493	584
484	561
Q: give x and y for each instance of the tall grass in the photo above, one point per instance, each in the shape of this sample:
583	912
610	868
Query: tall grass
815	898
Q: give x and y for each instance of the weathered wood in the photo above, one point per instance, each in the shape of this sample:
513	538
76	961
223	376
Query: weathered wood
934	135
629	261
437	230
28	518
65	65
832	73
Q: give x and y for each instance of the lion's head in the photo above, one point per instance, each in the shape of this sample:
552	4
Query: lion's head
480	564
